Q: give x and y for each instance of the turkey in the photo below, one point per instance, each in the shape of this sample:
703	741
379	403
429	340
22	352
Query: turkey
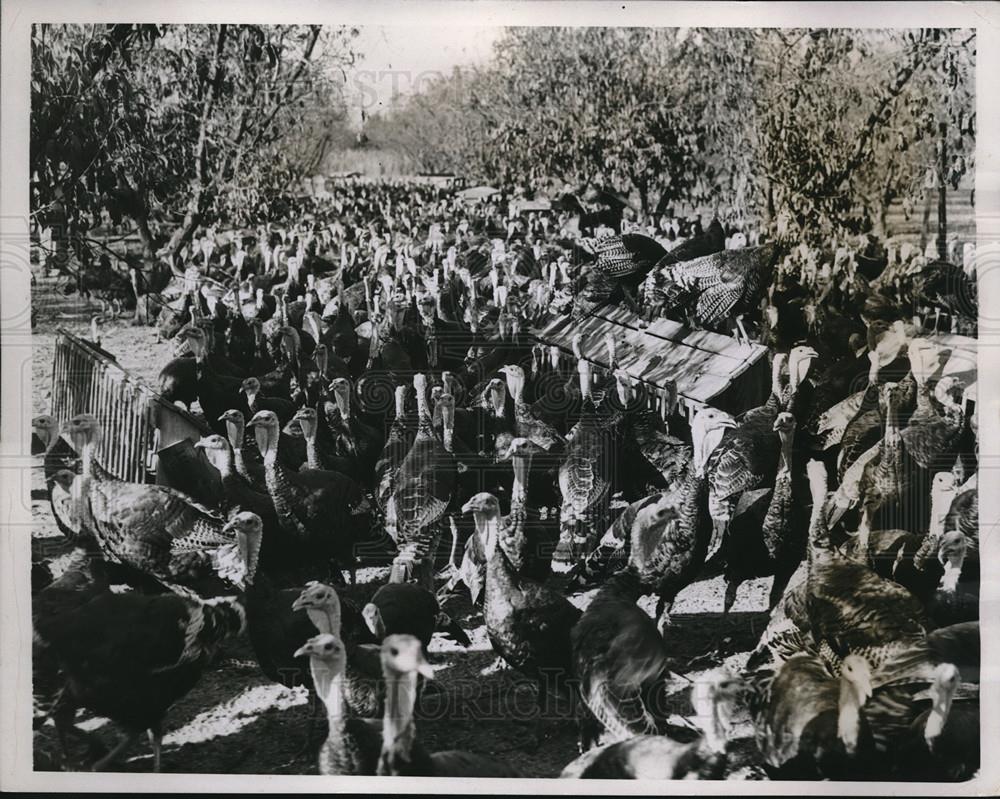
326	512
618	658
277	550
353	438
623	261
256	401
407	608
665	536
84	578
854	616
745	460
664	758
318	457
169	640
402	754
155	530
532	517
216	393
423	491
943	742
768	537
810	723
660	292
361	684
60	466
585	476
352	745
719	289
528	624
948	287
526	425
397	445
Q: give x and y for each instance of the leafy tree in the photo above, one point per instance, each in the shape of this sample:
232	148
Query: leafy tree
181	124
829	126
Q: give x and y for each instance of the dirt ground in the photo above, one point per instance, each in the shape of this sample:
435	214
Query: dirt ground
236	721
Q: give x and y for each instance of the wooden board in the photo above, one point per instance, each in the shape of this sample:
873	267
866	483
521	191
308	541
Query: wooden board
962	352
703	365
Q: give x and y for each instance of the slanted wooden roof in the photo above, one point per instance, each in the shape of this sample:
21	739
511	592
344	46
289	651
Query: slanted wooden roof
961	361
706	367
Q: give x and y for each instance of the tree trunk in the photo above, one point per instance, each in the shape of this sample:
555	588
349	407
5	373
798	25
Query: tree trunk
643	196
925	224
942	234
195	208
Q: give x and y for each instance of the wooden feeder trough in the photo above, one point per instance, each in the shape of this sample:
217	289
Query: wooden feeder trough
703	368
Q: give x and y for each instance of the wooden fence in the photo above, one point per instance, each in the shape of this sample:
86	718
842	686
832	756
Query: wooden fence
138	424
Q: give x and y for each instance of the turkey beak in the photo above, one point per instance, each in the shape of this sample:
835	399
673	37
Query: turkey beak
305	649
802	365
230	526
200	444
373	619
301	602
470	507
424	668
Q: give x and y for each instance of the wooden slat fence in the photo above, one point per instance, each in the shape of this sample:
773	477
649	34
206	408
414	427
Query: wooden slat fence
137	422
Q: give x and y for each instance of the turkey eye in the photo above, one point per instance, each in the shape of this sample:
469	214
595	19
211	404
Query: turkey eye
394	652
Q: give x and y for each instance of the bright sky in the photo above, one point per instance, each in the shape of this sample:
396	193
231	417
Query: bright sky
399	60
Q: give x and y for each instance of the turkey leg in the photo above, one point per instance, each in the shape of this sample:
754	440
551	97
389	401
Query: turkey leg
156	739
127	740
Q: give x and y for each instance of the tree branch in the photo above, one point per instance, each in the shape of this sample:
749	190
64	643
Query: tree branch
871	124
283	101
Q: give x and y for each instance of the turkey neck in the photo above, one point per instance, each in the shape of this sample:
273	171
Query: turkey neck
583	370
235	432
515	385
891	420
848	715
328	681
498	395
498	567
776	364
785	455
398	730
940	504
715	739
224	462
890	464
519	490
448	427
818	534
325	619
424	427
343	401
312	453
400	408
87	458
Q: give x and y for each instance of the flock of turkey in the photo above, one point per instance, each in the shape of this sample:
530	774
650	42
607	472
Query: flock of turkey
371	386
